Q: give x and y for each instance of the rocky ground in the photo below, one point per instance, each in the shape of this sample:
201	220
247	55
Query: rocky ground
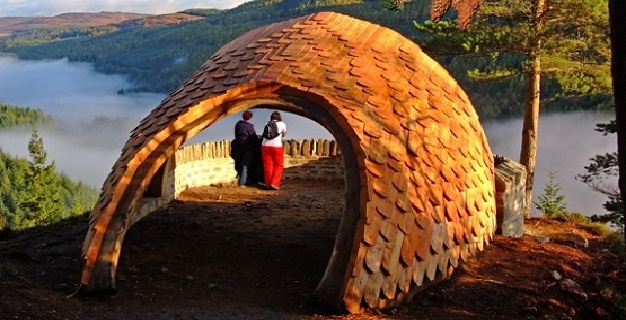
248	253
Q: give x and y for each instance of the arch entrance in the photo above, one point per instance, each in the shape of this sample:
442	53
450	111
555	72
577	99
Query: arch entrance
419	173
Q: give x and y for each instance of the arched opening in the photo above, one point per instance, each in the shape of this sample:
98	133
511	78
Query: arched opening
342	222
419	191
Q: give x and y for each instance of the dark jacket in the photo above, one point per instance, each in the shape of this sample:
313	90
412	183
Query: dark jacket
245	135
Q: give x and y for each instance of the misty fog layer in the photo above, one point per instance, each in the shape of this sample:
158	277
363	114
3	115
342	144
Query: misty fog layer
566	142
96	122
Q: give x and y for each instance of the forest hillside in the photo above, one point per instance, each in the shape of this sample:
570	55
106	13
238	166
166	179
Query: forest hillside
160	55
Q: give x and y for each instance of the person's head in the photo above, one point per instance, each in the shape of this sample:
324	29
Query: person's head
276	116
247	115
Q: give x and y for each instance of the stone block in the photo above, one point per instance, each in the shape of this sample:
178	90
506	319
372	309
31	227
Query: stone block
510	197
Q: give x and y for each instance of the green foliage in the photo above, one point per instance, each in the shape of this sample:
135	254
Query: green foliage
487	62
33	194
394	5
40	199
324	3
39	36
16	116
161	58
600	175
551	201
490	58
589	225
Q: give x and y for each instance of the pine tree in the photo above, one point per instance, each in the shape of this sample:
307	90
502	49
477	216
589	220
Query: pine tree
601	175
83	199
552	202
40	202
566	40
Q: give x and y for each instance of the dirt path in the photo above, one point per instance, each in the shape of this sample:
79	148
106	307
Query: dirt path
247	253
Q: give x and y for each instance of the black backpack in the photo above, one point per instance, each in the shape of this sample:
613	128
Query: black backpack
271	130
235	149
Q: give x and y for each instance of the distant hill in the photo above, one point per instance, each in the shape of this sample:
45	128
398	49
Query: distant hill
159	52
16	26
159	57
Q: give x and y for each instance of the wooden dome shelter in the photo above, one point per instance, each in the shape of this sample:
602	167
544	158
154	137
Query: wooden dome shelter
419	190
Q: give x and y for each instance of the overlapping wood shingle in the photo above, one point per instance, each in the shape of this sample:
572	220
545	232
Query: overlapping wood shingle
427	177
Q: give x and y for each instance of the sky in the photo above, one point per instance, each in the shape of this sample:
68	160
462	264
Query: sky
48	8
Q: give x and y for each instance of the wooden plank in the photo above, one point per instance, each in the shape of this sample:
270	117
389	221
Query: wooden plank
386	256
459	231
454	256
385	303
403	202
432	262
371	291
446	238
481	204
444	264
451	211
436	238
359	265
354	292
470	202
473	248
419	271
480	245
438	213
376	170
451	234
372	225
474	225
385	207
421	239
389	285
464	251
374	255
400	180
381	186
436	194
400	279
407	254
391	256
477	225
405	277
388	229
466	224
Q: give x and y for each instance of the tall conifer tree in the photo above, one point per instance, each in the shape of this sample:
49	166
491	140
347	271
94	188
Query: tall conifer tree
40	202
566	40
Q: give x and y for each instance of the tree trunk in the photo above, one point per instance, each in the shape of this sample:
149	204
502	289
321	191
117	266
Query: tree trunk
528	152
617	12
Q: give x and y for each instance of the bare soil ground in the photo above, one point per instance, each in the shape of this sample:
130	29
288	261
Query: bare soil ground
248	253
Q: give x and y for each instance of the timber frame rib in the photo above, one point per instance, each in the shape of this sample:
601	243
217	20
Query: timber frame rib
419	172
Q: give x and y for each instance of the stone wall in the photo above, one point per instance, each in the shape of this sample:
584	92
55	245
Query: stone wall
209	163
510	196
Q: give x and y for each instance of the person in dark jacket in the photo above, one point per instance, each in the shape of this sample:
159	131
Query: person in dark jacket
246	144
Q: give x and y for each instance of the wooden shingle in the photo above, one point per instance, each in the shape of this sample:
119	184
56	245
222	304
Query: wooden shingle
424	171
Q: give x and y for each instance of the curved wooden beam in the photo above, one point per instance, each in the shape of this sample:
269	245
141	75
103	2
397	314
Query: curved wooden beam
419	171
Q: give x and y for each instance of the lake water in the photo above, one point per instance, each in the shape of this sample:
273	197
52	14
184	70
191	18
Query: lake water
96	122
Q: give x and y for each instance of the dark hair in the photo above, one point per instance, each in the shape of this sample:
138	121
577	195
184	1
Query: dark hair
276	116
247	115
